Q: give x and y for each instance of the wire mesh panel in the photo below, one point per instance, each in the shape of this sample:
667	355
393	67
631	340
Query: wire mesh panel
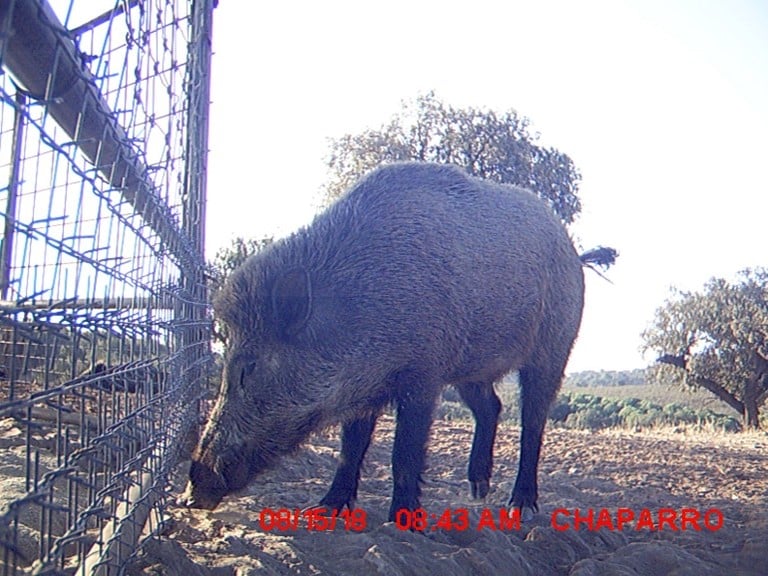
104	344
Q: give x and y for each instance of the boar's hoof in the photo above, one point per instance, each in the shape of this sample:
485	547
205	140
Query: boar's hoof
404	504
479	489
324	510
333	502
527	513
339	495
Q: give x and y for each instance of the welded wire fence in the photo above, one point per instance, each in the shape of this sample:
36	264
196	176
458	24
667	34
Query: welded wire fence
104	334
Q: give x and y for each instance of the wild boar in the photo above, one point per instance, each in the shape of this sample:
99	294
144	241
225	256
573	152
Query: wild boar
418	278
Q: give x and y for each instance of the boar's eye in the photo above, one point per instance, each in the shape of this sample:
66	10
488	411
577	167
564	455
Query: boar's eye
246	371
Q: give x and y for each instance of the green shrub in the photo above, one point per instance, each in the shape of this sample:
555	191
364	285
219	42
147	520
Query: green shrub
592	412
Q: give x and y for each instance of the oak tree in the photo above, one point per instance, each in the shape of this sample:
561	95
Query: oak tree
491	145
717	339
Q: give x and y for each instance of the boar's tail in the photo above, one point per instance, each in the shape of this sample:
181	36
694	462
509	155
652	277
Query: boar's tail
601	256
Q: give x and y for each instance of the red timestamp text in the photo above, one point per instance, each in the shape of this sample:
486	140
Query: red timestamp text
311	520
458	519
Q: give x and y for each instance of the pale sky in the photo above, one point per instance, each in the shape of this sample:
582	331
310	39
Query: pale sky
661	105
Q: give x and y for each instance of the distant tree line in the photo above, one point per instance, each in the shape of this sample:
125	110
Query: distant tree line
595	378
593	412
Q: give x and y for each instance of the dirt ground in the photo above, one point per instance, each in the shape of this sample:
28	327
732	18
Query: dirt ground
720	483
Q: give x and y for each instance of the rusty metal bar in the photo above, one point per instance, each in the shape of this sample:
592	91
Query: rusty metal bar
13	189
40	53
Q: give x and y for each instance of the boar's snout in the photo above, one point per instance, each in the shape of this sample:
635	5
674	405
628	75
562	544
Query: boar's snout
213	477
205	489
191	500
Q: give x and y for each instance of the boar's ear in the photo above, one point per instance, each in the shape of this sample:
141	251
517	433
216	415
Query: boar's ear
291	301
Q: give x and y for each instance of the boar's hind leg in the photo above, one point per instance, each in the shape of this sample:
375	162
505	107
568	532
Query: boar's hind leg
355	439
485	405
538	389
414	417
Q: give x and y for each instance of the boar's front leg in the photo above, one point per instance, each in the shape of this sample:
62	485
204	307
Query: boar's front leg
414	418
355	439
